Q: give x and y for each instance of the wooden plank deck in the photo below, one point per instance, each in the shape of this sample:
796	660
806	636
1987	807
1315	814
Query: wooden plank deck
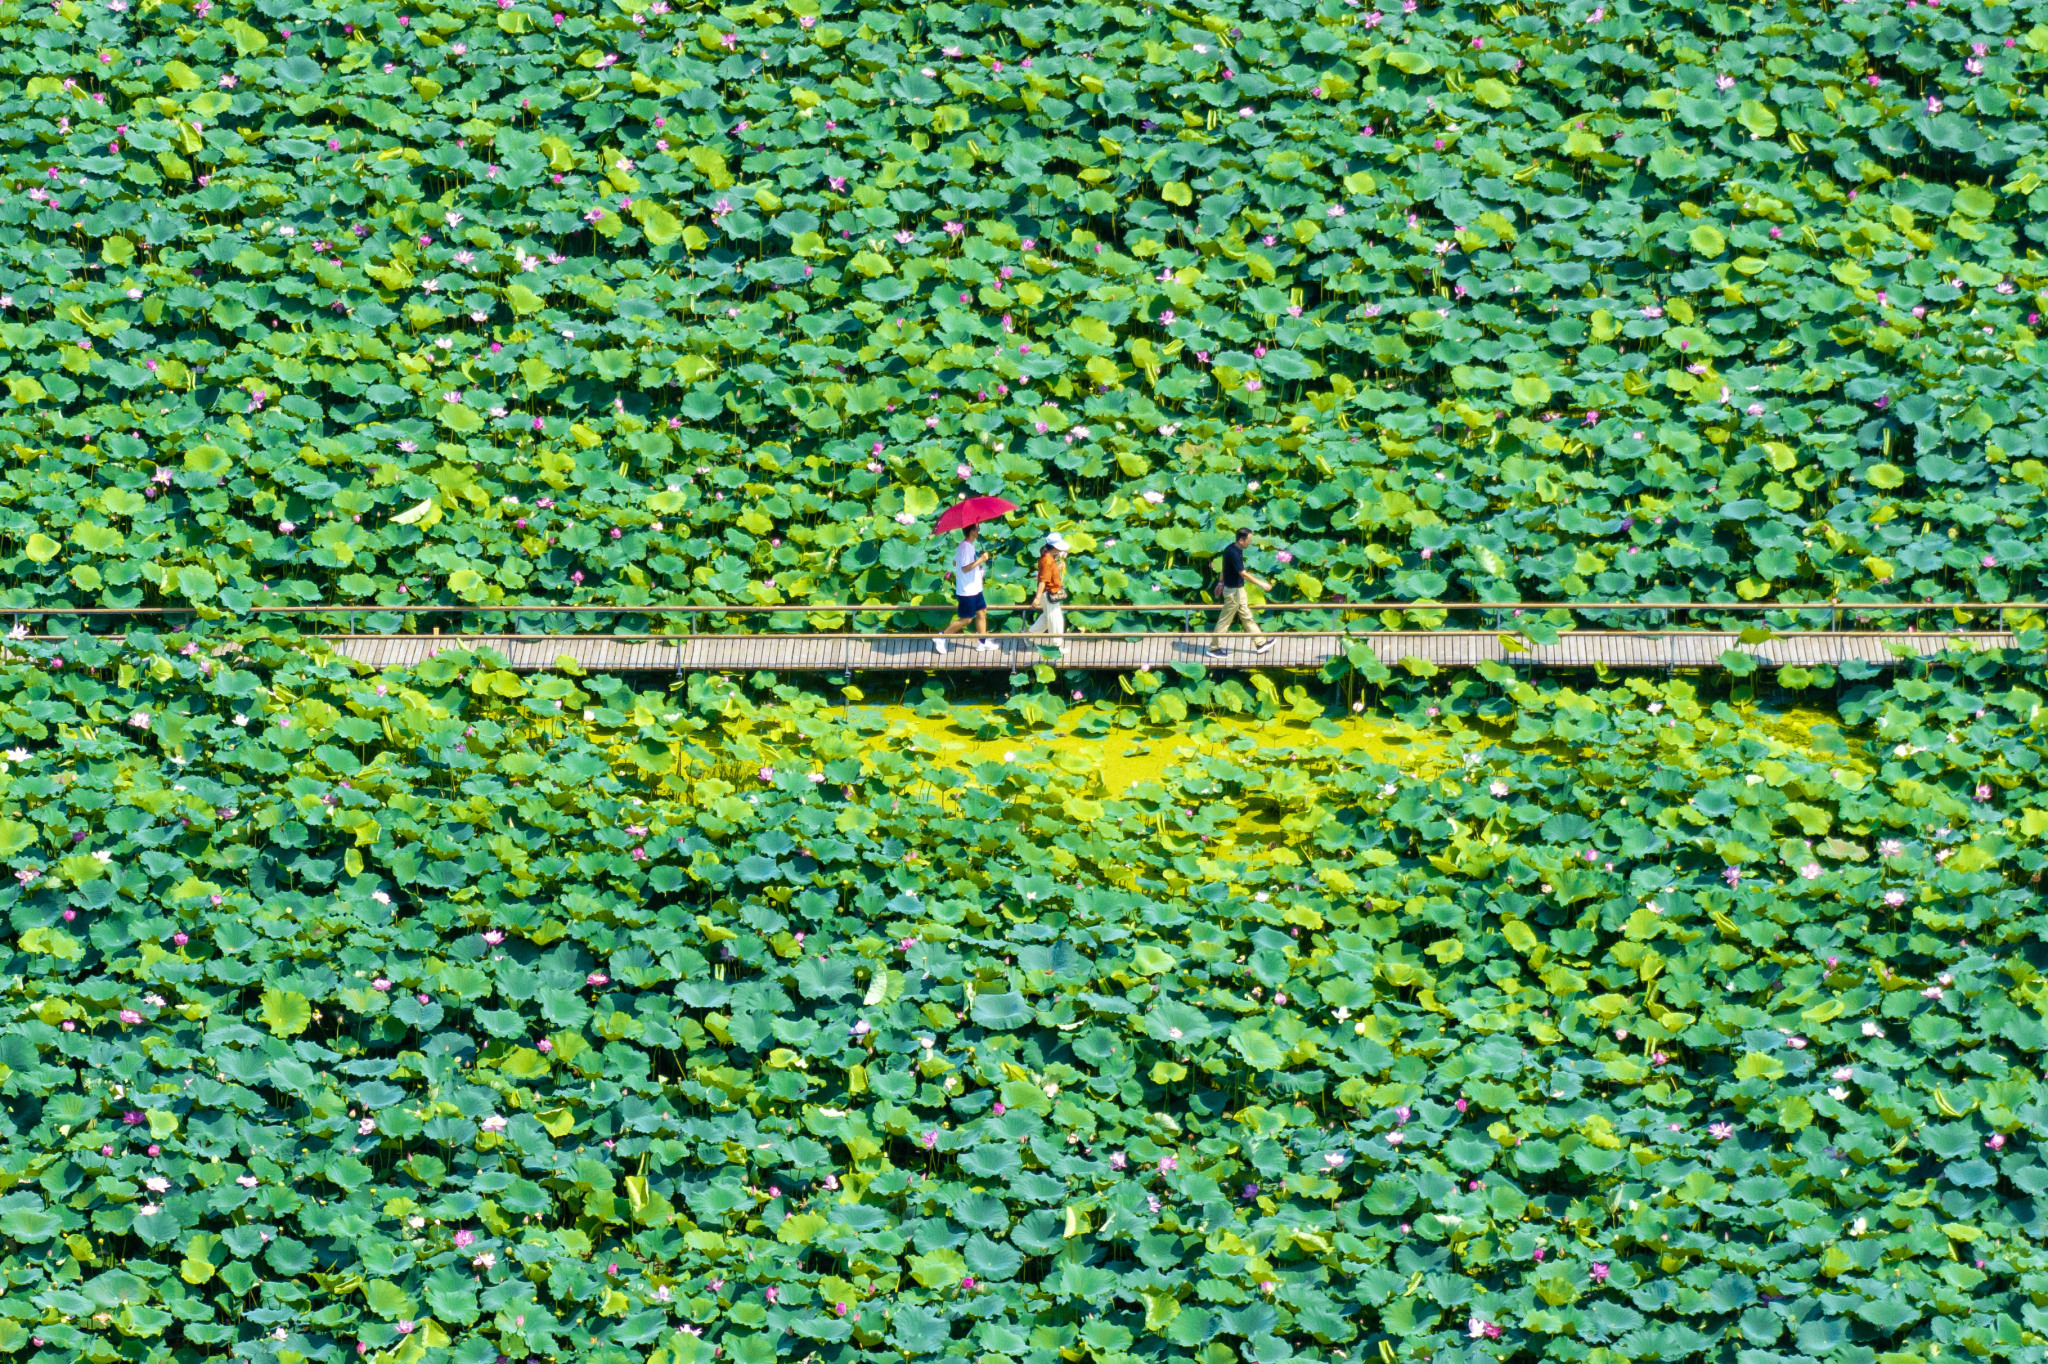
1122	653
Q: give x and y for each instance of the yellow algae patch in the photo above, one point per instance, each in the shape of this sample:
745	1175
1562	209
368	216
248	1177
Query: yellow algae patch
1122	759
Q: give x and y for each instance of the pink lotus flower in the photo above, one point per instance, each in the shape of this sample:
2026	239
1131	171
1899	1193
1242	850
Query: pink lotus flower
1599	1272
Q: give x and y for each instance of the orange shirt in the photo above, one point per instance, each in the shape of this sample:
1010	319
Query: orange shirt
1052	574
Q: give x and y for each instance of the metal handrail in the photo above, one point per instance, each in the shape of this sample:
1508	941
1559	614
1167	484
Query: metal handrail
892	608
963	639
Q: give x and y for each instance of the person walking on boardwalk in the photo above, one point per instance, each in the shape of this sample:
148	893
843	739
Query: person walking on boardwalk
1052	592
1237	602
967	589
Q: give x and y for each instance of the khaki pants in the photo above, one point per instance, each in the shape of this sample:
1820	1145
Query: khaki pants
1237	606
1052	620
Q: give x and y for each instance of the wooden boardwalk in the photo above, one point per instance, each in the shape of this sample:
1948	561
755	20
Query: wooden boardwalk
1123	653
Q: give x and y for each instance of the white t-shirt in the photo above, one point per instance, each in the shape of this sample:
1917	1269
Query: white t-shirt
966	573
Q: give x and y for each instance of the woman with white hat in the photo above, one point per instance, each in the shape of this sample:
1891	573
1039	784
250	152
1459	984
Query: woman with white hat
1052	591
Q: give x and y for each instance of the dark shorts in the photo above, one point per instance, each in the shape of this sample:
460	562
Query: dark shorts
970	607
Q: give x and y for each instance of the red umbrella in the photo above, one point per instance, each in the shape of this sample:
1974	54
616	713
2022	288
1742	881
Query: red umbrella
973	512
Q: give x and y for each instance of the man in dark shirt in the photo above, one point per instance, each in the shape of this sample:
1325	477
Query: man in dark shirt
1237	604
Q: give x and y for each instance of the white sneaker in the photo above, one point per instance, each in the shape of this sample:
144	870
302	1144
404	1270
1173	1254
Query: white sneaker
938	646
985	646
1263	647
1219	653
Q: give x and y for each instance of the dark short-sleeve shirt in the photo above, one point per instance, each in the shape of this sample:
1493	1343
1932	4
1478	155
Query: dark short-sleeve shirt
1233	565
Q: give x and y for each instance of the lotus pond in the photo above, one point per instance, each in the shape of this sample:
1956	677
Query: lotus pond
452	1016
459	1014
468	303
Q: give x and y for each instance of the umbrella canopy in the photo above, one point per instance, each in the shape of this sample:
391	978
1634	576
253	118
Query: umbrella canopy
973	512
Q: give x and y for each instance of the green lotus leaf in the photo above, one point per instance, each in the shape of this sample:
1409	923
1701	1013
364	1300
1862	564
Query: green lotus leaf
1492	93
1004	1011
1707	239
286	1012
29	1224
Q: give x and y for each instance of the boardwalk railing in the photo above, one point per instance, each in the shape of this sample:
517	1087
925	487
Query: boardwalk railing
846	653
1509	613
1815	638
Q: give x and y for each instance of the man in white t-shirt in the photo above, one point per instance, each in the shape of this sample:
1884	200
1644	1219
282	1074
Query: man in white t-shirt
973	603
